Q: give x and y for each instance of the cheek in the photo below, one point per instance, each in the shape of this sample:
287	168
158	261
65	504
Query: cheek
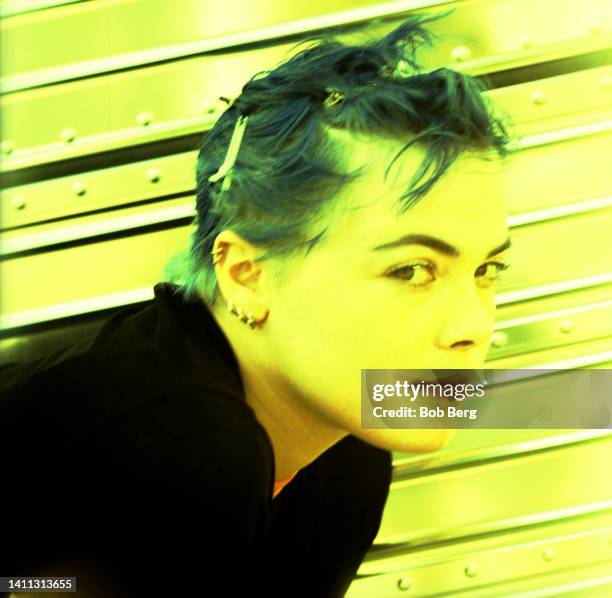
324	328
404	313
337	321
318	296
304	316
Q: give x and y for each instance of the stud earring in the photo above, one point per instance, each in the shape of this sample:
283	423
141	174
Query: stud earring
244	318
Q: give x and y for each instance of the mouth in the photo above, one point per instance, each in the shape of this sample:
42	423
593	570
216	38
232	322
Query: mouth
449	378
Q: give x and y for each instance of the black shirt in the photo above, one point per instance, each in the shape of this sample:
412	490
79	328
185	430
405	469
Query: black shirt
135	447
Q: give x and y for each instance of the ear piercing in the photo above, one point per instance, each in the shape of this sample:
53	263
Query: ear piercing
247	319
218	253
244	318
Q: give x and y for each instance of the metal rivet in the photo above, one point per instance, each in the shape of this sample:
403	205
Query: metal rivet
404	583
528	42
7	147
548	554
461	53
18	202
538	97
144	119
471	570
68	135
499	339
566	326
605	82
79	188
153	175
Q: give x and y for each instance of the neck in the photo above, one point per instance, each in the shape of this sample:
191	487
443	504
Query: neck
297	432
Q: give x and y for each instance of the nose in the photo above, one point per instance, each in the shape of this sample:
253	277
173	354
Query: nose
469	322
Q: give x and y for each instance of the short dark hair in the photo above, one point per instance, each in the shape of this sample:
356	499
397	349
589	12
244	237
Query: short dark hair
290	167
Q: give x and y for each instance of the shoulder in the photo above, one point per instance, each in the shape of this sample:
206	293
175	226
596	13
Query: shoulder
196	464
192	436
181	480
202	419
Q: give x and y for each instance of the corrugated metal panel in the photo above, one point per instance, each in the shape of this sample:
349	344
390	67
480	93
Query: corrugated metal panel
538	125
139	115
101	31
99	139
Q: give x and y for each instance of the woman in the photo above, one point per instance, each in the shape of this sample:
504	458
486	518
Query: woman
349	216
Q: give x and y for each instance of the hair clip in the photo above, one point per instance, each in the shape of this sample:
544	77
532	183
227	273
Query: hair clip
226	100
401	70
334	96
225	170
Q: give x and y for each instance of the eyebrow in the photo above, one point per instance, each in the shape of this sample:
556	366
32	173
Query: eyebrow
437	244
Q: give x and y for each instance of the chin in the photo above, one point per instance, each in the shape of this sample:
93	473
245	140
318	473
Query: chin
408	440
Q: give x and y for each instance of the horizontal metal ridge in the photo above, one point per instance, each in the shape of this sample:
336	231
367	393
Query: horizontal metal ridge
151	56
553	288
408	465
10	8
298	27
487	527
95	229
580	207
74	308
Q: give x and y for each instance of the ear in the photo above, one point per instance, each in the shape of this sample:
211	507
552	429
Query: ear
240	278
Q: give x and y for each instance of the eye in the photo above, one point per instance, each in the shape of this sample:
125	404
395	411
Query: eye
490	271
418	274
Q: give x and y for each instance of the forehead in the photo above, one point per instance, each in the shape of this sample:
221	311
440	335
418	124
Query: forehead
469	200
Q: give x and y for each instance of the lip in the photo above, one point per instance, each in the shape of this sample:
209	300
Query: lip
453	380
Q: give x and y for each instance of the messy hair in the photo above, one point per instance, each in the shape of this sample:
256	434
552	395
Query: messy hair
291	167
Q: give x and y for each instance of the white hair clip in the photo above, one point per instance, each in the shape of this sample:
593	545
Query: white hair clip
334	96
225	170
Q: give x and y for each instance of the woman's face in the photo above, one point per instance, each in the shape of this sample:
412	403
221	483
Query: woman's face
412	291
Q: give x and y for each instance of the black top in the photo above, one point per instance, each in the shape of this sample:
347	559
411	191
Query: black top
136	448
